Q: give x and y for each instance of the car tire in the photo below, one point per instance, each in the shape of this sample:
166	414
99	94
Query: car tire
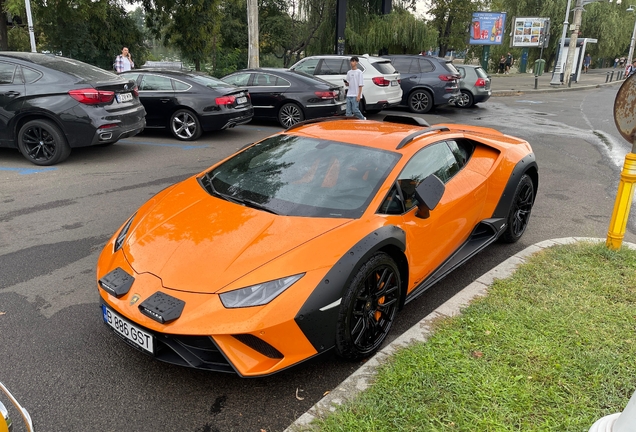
290	114
43	143
185	125
465	100
420	101
368	308
520	210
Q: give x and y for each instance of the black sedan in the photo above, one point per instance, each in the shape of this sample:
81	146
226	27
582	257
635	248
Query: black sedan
289	96
189	103
50	104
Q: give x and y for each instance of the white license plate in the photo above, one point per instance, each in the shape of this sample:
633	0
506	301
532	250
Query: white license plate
342	107
394	83
131	332
241	100
124	97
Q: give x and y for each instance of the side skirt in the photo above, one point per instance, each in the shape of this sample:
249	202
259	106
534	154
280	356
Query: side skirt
485	233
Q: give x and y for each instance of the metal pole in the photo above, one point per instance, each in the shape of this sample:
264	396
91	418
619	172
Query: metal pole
252	32
556	72
631	47
30	24
569	63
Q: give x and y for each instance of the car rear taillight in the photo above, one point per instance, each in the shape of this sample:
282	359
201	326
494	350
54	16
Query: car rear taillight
447	77
380	81
108	126
91	96
326	94
135	91
225	100
480	82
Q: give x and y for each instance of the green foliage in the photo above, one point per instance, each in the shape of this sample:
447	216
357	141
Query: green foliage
551	348
451	18
94	32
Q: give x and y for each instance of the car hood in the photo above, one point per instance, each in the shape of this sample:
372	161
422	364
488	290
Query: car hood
199	243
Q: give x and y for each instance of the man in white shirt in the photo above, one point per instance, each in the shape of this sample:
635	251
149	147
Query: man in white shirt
124	62
355	81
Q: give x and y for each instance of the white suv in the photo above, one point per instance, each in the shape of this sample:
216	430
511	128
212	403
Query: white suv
381	81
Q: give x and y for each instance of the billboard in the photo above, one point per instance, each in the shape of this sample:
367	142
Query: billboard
487	28
530	32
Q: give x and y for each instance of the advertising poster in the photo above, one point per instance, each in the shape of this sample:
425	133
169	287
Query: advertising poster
487	28
529	32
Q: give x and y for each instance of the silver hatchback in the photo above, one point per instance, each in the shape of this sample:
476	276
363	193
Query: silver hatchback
474	86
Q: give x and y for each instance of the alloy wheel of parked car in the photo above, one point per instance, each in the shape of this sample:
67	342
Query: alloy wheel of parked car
290	114
420	101
42	143
520	210
466	100
185	126
368	308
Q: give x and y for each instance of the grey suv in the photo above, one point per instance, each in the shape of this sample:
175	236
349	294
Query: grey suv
426	81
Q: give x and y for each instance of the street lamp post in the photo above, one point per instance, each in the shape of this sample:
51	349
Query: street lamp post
556	72
631	44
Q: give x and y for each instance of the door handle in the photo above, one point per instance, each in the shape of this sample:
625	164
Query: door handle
164	100
12	93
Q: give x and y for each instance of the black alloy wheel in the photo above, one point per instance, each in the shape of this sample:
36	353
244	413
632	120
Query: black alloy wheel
519	214
185	125
290	114
420	101
43	143
368	308
465	100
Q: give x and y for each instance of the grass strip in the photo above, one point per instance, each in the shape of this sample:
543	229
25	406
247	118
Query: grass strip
552	348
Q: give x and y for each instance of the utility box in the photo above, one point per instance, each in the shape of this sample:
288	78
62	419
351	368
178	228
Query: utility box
539	67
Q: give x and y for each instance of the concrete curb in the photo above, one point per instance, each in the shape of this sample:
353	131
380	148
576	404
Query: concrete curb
512	92
361	379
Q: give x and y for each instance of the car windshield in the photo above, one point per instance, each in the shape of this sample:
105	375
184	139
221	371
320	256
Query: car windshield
209	81
76	68
298	176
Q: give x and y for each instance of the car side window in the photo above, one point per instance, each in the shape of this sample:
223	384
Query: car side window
265	80
131	76
434	159
308	66
462	150
402	64
462	72
426	65
331	67
180	85
7	72
155	83
30	75
239	79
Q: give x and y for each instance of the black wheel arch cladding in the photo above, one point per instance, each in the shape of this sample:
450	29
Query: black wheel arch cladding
527	165
319	326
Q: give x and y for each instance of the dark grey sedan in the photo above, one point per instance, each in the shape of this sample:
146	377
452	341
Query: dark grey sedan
474	86
50	104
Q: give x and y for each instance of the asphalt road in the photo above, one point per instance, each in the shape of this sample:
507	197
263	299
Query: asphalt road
72	374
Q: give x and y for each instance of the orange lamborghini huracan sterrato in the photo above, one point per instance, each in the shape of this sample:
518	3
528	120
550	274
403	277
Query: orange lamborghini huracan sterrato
310	240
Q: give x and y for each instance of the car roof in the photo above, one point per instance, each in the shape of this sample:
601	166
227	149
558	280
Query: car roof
394	134
348	56
164	71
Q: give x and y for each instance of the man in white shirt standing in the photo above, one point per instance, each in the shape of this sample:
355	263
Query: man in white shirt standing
124	62
355	81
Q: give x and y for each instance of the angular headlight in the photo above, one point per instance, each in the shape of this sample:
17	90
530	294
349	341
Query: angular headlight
257	295
119	241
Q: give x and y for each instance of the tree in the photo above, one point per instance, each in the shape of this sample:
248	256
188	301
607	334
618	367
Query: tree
452	18
93	32
191	26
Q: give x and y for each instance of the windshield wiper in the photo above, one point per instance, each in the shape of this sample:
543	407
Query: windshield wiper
234	199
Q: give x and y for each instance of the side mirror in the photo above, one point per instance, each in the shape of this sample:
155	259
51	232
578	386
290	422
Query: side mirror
428	194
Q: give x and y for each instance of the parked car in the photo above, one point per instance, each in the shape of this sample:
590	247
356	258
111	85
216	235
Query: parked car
427	81
189	103
51	104
289	96
310	240
474	86
381	81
